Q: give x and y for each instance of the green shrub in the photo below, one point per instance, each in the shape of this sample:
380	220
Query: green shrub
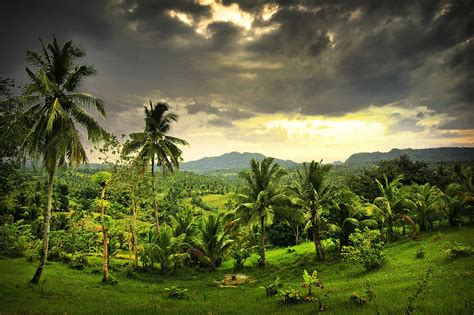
458	250
420	252
281	234
14	238
78	261
292	296
366	249
272	289
358	299
176	293
310	282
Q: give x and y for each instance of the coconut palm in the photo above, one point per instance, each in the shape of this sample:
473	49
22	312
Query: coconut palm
393	204
156	145
428	201
460	194
346	214
311	194
57	111
213	240
260	197
165	246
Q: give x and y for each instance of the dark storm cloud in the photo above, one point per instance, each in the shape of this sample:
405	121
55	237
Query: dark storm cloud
404	125
223	116
320	57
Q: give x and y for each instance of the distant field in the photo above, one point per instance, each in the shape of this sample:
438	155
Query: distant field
64	290
213	200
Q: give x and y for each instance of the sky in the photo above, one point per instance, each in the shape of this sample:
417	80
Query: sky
298	80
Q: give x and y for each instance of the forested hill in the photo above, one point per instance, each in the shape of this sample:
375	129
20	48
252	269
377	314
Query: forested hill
229	161
433	155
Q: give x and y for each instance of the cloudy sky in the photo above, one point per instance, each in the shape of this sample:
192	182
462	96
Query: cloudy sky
299	80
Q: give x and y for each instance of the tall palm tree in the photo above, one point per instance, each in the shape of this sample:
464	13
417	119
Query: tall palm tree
261	196
56	110
311	194
155	144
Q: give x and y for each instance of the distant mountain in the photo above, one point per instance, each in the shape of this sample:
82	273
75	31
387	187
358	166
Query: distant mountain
430	155
229	161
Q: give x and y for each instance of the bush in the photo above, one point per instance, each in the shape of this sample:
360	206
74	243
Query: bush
78	261
420	252
358	299
272	289
176	293
292	296
14	238
281	234
458	250
366	249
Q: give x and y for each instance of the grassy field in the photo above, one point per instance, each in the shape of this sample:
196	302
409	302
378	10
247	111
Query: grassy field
64	290
213	200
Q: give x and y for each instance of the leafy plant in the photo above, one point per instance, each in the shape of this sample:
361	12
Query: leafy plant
292	296
78	261
272	289
366	249
358	299
458	250
311	281
420	252
240	252
421	285
175	292
213	241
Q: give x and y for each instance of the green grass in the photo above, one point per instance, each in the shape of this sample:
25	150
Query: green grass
64	290
213	200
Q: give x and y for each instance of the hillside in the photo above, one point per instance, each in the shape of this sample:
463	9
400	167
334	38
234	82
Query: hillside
67	290
429	155
230	161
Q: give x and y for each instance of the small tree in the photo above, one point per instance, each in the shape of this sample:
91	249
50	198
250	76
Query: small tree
366	249
103	179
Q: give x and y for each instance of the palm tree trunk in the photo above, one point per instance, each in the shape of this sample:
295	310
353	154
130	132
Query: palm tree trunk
263	260
129	241
46	228
316	235
105	270
155	206
389	229
135	240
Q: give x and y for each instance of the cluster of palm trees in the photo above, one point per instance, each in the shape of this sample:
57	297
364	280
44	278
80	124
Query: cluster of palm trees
334	212
57	111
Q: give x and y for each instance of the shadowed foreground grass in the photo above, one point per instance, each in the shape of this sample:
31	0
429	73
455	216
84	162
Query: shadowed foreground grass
64	290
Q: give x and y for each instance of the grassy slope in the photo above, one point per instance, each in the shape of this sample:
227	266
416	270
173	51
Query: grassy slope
450	290
213	200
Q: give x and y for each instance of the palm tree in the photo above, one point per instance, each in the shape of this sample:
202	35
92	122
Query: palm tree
346	214
311	194
392	204
165	246
213	240
154	144
428	201
261	196
56	111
